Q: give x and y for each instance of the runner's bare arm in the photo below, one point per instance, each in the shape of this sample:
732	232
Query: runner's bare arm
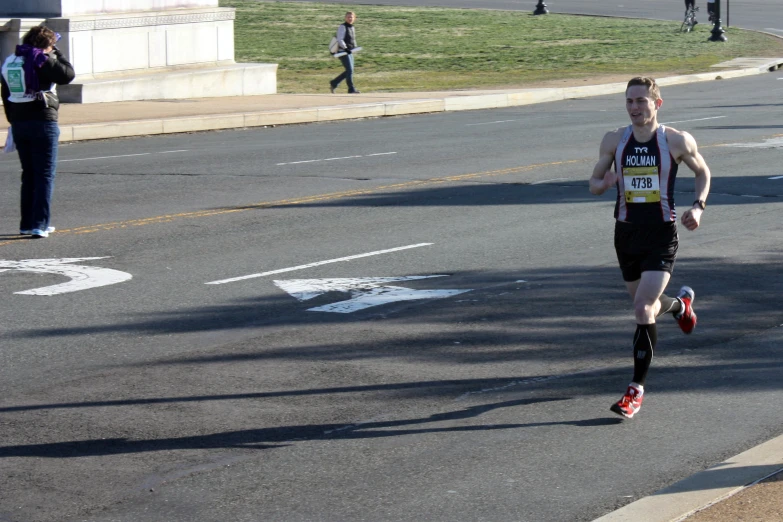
689	154
603	176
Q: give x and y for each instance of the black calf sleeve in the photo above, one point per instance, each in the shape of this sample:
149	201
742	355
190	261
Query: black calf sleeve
669	305
644	342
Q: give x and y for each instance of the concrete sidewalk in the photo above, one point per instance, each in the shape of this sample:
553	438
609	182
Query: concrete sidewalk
746	487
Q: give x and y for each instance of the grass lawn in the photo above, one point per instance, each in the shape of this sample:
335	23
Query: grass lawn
431	48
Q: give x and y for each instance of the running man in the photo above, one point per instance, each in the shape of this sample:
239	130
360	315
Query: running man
646	157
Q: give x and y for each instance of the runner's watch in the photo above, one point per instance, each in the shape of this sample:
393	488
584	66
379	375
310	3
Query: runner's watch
700	203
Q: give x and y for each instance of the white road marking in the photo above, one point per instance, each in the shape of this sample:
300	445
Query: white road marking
697	119
317	263
298	162
488	123
365	292
105	157
82	277
342	157
548	181
121	156
770	143
333	159
778	177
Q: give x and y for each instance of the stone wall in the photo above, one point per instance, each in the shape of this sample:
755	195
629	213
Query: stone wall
57	8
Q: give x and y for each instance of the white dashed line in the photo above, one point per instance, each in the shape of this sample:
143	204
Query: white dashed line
121	156
488	123
342	157
317	263
697	119
105	157
548	181
334	159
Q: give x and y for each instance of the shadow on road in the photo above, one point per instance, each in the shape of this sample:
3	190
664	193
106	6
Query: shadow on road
266	438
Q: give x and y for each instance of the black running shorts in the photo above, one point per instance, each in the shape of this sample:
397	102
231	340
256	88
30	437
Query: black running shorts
645	247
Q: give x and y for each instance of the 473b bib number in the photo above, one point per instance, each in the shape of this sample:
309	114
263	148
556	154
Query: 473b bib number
641	185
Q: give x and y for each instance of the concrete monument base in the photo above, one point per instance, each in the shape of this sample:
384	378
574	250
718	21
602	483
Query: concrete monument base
238	79
143	49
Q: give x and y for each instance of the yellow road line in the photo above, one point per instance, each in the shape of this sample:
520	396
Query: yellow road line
302	200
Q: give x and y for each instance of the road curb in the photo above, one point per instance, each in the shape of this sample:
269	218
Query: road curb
130	128
681	500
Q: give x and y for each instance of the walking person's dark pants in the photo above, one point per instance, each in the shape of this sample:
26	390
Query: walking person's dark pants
36	142
346	75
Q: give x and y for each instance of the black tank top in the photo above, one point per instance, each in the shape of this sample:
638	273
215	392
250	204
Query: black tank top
646	175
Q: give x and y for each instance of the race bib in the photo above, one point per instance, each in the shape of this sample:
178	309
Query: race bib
641	185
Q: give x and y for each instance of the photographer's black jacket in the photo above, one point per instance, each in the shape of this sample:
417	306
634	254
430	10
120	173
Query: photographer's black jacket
57	69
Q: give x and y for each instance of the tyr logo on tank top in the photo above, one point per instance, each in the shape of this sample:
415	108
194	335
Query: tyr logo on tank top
645	181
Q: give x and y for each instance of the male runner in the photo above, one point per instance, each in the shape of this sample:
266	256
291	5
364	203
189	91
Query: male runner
646	156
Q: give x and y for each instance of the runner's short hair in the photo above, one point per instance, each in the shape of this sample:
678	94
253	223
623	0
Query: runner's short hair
648	82
40	36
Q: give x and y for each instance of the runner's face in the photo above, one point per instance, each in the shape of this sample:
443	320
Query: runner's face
350	18
640	105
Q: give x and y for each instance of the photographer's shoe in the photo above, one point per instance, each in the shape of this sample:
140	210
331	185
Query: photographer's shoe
31	232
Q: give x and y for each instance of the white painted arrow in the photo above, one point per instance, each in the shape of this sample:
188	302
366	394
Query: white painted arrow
769	143
365	291
82	277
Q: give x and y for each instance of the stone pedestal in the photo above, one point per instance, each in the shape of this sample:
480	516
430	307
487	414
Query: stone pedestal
142	49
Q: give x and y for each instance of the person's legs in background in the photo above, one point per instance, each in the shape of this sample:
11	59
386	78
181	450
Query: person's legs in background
349	67
347	74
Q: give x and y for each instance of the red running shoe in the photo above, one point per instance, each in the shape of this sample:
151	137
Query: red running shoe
631	401
687	317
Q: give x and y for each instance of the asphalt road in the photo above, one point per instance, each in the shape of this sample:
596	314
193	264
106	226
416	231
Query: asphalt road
749	14
166	398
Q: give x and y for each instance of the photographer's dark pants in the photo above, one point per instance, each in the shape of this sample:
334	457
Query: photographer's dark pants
36	142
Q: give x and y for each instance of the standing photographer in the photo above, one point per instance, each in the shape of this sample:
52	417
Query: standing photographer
29	79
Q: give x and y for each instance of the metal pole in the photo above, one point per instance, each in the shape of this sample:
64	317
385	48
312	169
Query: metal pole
727	13
717	30
540	8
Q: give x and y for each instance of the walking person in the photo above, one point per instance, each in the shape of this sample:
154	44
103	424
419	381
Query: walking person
691	4
646	157
29	78
346	42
